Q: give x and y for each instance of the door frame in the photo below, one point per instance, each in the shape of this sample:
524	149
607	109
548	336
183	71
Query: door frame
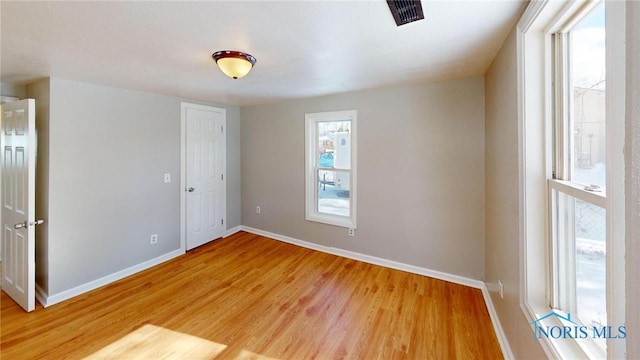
183	169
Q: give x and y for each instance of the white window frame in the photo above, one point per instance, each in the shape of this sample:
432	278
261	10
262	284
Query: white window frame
535	111
563	274
311	168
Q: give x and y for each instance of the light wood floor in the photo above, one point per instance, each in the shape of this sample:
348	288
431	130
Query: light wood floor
249	297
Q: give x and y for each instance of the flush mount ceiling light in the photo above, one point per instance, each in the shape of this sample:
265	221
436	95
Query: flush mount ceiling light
234	64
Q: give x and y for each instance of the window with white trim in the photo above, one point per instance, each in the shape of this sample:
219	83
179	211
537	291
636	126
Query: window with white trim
571	108
577	190
331	167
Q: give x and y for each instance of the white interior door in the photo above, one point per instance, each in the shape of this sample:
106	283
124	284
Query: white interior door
204	183
18	144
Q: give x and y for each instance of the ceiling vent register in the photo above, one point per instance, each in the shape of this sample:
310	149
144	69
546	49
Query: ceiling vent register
405	11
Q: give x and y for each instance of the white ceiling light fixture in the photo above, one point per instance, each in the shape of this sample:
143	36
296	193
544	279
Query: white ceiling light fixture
234	64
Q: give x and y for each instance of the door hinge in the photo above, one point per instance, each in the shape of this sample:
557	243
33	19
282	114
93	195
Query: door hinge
222	221
221	176
221	129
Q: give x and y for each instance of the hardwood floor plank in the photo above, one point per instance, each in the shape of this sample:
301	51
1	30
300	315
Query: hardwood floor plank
250	297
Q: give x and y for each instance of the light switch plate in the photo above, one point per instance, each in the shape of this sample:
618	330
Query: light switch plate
167	178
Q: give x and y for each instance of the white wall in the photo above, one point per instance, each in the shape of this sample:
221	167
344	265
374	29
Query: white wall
107	150
420	173
501	250
13	90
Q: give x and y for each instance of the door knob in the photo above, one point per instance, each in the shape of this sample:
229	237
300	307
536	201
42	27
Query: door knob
190	189
37	222
25	225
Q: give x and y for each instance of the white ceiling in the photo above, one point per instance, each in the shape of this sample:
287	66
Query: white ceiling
304	48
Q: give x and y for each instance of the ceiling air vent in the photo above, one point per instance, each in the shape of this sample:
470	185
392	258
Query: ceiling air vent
405	11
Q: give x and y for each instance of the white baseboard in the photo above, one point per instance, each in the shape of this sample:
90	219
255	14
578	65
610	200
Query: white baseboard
497	326
41	295
48	300
232	231
478	284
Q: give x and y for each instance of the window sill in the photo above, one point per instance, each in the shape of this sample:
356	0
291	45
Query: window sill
559	348
331	220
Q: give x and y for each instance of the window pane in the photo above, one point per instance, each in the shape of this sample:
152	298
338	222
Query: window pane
334	144
334	195
334	151
590	230
587	64
591	254
581	260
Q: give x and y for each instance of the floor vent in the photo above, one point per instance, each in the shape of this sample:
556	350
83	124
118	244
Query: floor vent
405	11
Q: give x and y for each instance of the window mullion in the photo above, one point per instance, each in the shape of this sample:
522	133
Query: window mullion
555	276
562	143
570	236
564	250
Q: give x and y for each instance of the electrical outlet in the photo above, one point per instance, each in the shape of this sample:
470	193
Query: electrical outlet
257	209
352	232
167	178
153	239
501	289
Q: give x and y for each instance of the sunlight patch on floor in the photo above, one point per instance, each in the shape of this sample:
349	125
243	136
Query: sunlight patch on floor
248	355
153	342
